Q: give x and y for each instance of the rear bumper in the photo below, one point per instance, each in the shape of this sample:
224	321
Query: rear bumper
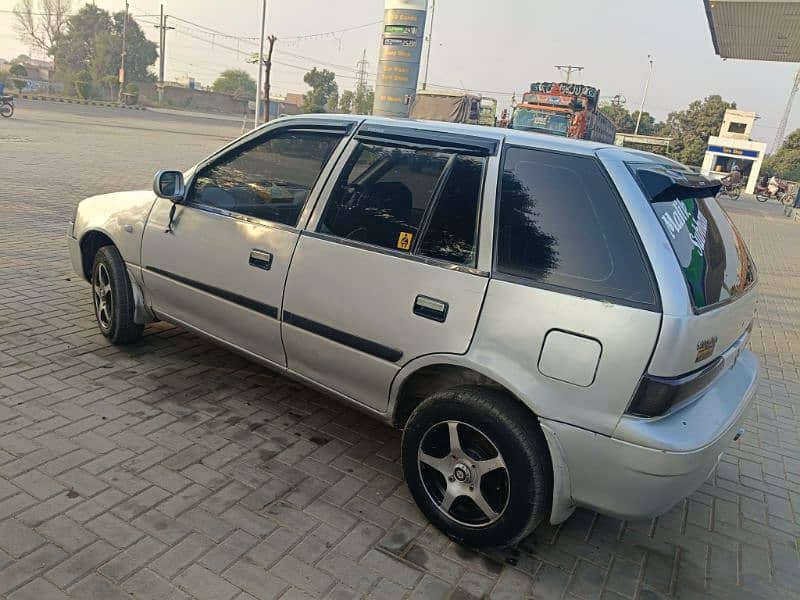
643	479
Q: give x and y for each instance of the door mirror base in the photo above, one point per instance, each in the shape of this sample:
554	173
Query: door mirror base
169	184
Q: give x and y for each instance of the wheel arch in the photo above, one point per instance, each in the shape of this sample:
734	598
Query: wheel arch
90	242
434	373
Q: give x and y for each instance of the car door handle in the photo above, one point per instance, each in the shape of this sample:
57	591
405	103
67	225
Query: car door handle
261	259
431	308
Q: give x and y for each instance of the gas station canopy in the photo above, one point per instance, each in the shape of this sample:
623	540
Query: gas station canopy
755	29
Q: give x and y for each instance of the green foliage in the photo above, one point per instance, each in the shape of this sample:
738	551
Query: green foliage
235	82
83	83
785	163
363	101
690	128
92	41
346	102
332	105
322	86
18	76
625	121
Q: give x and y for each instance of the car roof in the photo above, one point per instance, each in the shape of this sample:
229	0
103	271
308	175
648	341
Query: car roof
510	136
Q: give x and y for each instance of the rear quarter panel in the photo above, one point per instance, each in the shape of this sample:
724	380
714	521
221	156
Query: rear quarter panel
510	337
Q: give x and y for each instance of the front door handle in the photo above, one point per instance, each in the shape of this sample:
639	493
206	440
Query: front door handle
261	259
430	308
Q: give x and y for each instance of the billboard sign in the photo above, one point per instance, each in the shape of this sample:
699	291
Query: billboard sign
400	56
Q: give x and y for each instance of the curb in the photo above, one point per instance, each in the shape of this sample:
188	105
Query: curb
78	101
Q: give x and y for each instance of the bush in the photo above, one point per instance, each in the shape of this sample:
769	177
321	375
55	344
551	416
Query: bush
83	84
18	76
133	90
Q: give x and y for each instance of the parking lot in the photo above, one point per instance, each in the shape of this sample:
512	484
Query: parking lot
176	469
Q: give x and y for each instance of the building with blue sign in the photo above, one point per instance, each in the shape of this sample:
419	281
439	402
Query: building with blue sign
733	146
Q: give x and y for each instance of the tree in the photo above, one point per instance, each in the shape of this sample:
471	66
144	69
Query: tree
41	25
625	121
690	128
332	105
18	76
322	86
92	41
785	163
620	116
346	102
235	82
363	101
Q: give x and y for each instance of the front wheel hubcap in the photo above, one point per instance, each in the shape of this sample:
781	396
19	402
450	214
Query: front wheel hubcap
103	297
464	473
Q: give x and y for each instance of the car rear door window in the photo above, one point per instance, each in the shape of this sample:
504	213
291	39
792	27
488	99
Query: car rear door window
416	201
561	224
268	179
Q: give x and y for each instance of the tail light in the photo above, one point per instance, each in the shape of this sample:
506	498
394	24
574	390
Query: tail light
656	395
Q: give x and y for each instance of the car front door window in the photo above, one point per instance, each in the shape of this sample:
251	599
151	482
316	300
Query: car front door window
266	179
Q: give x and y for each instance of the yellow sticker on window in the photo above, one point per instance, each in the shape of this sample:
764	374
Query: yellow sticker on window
404	240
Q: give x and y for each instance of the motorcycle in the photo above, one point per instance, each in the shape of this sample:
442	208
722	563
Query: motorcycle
730	190
6	106
763	193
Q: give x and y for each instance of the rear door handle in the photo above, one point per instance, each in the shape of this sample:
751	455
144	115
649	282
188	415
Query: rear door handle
431	308
261	259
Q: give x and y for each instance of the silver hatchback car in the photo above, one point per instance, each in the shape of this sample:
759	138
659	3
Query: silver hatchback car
552	323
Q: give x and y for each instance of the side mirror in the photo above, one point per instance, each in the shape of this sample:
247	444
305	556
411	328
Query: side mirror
169	185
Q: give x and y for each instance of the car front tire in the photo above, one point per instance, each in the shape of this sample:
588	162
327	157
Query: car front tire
112	296
477	464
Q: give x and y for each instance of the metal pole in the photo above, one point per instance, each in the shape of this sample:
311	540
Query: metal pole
122	58
163	35
260	61
430	42
644	96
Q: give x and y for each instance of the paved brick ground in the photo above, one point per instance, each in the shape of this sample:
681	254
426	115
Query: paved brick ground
175	469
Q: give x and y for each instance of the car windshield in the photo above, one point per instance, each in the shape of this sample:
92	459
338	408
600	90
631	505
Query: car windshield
540	120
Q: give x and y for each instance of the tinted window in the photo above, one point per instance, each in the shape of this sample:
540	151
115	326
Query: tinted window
268	179
452	232
712	254
422	202
560	223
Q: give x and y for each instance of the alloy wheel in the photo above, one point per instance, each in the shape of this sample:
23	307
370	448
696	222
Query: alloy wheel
464	473
103	297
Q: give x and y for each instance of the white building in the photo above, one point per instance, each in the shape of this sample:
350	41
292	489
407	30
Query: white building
733	146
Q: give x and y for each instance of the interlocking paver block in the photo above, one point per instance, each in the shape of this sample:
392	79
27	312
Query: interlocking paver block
175	439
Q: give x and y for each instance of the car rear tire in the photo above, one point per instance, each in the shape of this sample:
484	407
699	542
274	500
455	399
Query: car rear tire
477	464
112	296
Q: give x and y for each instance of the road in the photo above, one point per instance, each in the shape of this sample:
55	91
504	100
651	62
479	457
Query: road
175	469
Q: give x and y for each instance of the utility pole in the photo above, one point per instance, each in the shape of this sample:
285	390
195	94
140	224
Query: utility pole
430	43
781	133
260	62
162	52
122	57
644	96
567	70
267	69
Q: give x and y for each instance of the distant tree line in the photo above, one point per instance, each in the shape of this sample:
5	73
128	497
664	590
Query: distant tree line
86	47
688	128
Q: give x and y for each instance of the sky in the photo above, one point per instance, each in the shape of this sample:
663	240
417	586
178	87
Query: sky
497	47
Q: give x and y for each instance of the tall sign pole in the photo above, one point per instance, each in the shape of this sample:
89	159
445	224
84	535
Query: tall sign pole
399	56
260	63
430	43
122	57
644	96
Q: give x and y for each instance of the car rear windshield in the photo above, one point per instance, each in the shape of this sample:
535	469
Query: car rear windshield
713	257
